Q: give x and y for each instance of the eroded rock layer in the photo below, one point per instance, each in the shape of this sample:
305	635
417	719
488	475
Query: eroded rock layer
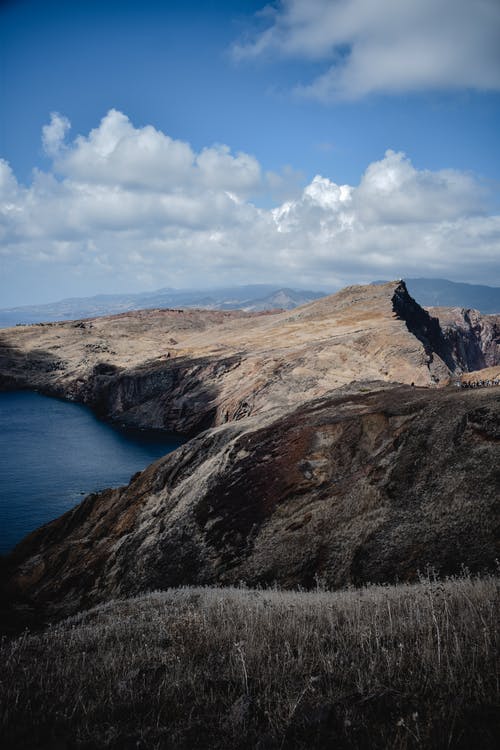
188	370
374	484
308	462
474	339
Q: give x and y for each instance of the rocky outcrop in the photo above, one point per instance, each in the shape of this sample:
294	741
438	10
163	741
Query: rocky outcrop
314	463
474	339
189	370
370	484
425	328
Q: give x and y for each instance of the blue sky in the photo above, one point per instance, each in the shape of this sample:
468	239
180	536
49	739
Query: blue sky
305	97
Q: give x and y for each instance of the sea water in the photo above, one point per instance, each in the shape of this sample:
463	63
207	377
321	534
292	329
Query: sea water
53	453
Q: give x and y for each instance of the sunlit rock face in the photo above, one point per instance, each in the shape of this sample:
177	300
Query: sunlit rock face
326	443
188	370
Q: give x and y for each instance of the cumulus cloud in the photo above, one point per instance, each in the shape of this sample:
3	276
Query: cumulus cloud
54	133
133	205
386	46
218	169
117	153
393	191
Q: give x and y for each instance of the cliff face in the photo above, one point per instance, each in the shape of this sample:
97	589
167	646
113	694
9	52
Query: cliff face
372	484
316	464
474	339
188	370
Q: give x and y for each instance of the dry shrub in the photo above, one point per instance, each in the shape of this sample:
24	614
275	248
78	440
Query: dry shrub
408	666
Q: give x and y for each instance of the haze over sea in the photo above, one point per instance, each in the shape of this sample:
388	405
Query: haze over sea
53	453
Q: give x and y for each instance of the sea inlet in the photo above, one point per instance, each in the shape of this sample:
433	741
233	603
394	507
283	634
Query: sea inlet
53	453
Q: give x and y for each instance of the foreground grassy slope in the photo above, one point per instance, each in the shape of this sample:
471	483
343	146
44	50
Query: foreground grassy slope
407	666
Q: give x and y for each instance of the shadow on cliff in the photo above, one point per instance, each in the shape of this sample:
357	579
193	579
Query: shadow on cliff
179	395
351	489
423	326
20	370
17	612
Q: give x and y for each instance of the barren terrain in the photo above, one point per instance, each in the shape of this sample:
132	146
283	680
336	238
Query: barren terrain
328	442
187	370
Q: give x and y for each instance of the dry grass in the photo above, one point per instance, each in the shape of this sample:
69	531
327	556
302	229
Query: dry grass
409	666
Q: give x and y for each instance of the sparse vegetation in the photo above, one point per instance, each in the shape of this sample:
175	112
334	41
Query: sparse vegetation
408	666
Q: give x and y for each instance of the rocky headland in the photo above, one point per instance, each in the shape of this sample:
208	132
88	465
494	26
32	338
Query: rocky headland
188	370
326	444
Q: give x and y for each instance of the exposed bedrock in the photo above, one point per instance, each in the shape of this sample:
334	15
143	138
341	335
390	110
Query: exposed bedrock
424	327
314	464
189	370
474	339
369	485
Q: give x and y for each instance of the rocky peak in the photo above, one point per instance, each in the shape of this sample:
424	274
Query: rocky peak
422	325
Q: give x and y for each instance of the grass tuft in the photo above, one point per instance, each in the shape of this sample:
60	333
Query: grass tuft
407	666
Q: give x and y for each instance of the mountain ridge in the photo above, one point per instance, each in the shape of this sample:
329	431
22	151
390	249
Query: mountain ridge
253	297
149	368
250	297
445	293
325	440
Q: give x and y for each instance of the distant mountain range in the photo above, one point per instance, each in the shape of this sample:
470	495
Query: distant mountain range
252	298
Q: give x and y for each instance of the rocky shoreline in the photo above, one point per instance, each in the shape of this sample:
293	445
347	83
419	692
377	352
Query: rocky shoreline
321	448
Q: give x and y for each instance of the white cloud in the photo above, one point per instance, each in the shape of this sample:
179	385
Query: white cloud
385	46
132	206
54	133
219	170
117	153
393	191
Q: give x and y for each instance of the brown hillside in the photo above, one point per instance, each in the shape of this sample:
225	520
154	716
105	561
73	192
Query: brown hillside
319	464
187	370
371	485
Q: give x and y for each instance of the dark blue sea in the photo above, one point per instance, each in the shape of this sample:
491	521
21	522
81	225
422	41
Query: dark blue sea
53	453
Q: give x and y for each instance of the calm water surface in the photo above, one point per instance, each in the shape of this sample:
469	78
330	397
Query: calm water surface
52	453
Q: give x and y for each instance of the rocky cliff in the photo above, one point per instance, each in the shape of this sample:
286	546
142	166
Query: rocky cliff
474	339
189	370
371	484
316	464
